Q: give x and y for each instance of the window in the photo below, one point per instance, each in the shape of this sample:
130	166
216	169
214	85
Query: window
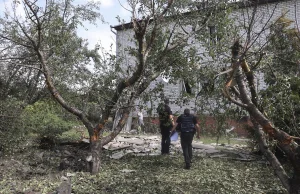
213	37
202	5
186	87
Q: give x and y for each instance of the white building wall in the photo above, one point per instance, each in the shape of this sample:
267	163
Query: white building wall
266	15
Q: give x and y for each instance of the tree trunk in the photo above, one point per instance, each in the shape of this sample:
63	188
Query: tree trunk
295	184
295	180
94	159
263	146
96	143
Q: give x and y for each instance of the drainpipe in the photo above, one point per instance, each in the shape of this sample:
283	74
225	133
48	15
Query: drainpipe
111	29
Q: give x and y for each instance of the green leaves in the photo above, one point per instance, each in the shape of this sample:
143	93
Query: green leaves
45	119
281	97
158	174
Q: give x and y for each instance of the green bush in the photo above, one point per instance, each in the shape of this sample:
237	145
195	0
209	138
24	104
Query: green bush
45	119
11	130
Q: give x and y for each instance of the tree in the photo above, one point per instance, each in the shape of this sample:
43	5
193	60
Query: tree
157	50
177	36
281	74
241	90
161	34
284	141
49	37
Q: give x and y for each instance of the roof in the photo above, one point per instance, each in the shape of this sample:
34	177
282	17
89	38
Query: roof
241	4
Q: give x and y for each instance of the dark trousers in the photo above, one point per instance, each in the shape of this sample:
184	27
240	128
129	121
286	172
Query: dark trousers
165	139
186	139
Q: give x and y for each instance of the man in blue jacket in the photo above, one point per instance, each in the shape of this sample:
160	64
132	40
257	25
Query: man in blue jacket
187	125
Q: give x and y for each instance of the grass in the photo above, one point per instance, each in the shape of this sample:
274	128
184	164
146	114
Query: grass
76	134
222	140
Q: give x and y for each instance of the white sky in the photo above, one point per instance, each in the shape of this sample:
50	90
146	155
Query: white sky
110	9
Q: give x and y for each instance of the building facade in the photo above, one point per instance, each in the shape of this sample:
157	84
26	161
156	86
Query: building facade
260	18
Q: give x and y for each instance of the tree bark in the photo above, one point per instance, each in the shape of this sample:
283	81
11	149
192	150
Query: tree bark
94	159
295	184
263	146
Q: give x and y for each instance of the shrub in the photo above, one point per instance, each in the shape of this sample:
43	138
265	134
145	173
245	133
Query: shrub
11	130
45	119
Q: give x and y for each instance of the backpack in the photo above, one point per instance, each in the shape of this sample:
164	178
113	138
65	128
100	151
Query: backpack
160	109
163	115
187	123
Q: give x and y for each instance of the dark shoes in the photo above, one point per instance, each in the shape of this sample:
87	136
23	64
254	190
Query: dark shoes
187	166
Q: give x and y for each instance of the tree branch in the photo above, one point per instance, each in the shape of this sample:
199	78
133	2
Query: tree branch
58	97
170	2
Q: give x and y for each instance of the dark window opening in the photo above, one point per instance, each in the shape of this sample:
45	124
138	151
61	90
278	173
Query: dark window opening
202	5
187	86
213	34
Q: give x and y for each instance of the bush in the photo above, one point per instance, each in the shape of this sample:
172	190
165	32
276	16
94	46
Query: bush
44	119
11	130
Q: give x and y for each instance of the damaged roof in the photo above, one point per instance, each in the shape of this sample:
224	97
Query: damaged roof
241	4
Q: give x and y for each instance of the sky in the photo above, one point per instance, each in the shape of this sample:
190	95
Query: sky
109	9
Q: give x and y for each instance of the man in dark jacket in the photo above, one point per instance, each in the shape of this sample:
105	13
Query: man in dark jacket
187	125
166	123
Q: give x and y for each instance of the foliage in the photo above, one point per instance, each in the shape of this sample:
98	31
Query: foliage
245	96
67	54
215	112
187	66
282	106
45	118
166	175
20	83
11	125
281	99
152	174
75	134
45	40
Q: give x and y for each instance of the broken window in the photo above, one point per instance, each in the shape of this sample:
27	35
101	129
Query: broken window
202	5
186	87
213	37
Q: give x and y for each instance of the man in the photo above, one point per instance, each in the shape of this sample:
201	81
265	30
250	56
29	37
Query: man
140	120
166	123
187	125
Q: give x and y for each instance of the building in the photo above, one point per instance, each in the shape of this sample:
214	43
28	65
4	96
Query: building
266	13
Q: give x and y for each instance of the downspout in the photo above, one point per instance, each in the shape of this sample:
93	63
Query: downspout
111	29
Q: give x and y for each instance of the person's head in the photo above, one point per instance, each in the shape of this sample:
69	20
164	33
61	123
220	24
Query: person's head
166	100
187	111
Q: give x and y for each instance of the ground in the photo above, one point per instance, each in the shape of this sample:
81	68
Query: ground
35	169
